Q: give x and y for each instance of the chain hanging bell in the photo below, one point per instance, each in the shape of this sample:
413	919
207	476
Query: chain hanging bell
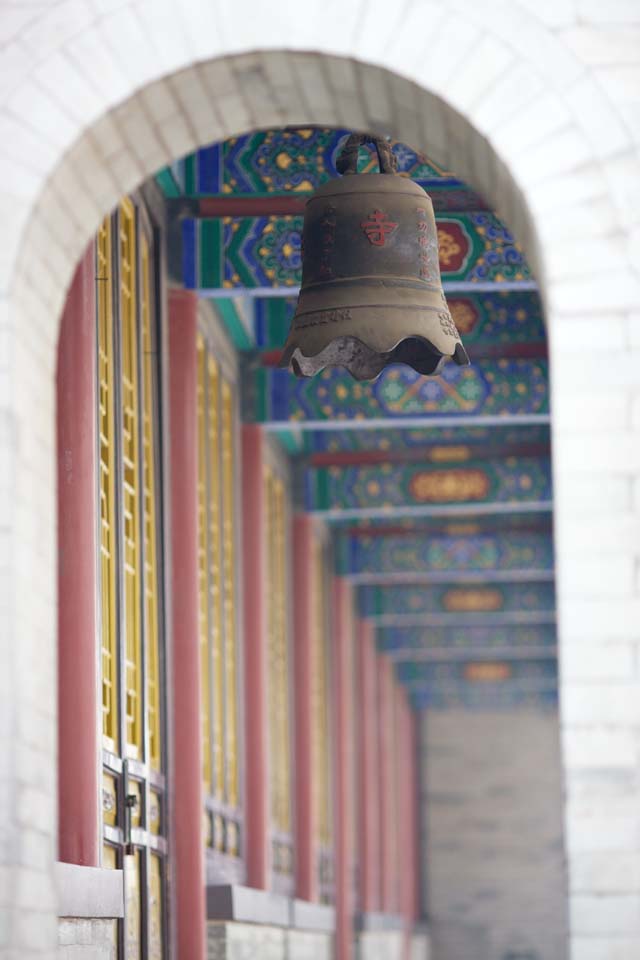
371	292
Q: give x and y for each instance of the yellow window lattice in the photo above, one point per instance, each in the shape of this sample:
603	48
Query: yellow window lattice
229	581
106	482
280	772
215	584
133	906
130	480
320	694
149	507
203	564
155	908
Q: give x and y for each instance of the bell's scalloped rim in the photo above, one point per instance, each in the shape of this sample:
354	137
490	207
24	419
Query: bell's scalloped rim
365	363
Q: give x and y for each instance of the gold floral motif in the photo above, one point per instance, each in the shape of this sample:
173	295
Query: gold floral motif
463	315
472	599
491	672
449	485
448	247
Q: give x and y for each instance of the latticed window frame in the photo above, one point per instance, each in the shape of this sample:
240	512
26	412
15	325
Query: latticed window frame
220	644
134	755
277	537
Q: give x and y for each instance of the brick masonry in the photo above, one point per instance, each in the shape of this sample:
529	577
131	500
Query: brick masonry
246	941
540	112
87	939
493	847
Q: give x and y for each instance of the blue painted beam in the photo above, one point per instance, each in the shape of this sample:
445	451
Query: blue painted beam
457	597
446	553
426	676
412	643
503	698
427	620
516	481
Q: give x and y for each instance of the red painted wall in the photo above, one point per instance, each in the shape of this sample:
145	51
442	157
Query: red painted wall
255	657
369	771
343	685
188	843
303	612
78	787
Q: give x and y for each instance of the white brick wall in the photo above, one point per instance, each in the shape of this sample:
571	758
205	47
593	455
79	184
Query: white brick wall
493	857
95	94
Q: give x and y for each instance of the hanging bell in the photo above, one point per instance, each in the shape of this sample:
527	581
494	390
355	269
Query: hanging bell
371	292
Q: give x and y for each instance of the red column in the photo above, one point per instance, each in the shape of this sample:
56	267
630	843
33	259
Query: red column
413	816
344	765
369	783
303	611
388	813
255	658
187	735
78	786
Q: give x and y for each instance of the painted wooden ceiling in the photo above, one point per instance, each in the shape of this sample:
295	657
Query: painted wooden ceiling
438	491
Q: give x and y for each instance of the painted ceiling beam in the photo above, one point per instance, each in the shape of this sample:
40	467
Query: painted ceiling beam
385	487
427	577
434	454
414	640
400	397
525	673
426	620
449	655
459	530
454	555
407	423
494	697
439	510
456	597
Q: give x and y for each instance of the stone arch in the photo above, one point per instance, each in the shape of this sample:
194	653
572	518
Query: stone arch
504	98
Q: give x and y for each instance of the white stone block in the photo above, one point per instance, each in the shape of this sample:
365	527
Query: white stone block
414	35
604	44
594	661
450	46
596	704
613	577
589	407
592	618
614	453
605	914
348	100
165	35
605	948
315	88
519	86
602	873
592	748
95	59
606	834
482	70
621	83
614	11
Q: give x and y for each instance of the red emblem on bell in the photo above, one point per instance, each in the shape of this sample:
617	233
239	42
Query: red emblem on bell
378	227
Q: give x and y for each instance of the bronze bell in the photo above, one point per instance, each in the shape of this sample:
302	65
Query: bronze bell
371	292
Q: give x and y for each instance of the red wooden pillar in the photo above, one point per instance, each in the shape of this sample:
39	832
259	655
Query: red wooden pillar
78	786
187	734
255	657
413	815
369	773
343	685
304	588
388	813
